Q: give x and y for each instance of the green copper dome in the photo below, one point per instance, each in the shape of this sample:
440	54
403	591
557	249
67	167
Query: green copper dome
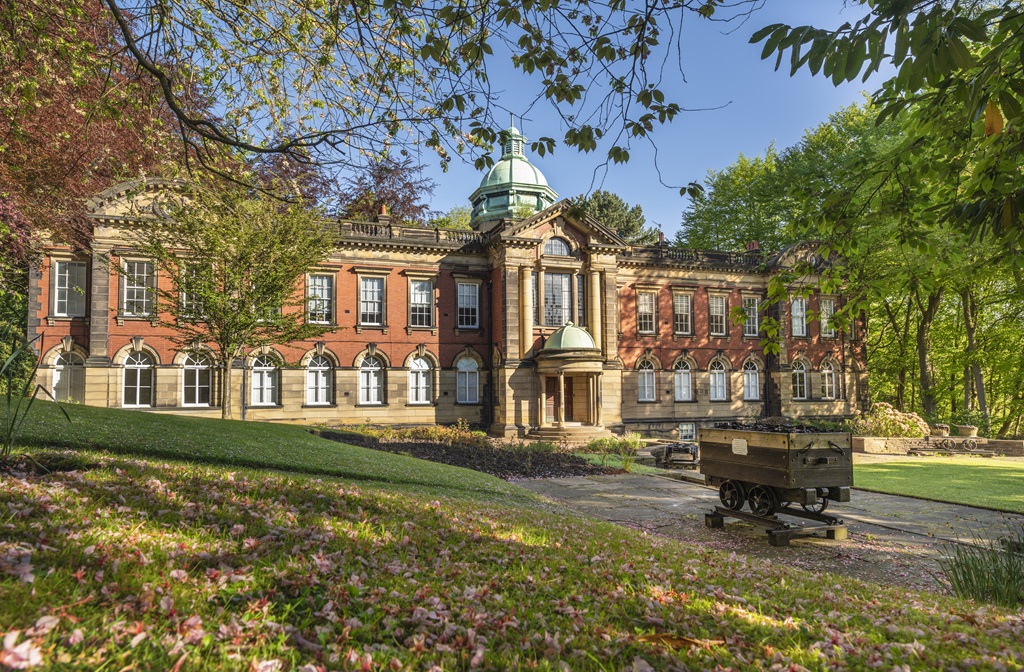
513	187
570	337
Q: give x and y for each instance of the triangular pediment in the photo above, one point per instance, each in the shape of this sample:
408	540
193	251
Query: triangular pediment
135	199
566	218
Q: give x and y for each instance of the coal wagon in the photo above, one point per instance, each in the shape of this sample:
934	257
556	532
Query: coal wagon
770	470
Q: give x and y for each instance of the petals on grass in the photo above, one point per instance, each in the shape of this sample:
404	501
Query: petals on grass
19	656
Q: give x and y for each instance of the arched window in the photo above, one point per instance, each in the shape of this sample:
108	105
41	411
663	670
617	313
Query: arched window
751	381
371	381
467	381
645	381
799	380
421	379
828	381
717	391
264	381
319	381
557	246
138	380
196	378
684	382
69	378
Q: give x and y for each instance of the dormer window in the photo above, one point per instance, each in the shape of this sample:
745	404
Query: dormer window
558	247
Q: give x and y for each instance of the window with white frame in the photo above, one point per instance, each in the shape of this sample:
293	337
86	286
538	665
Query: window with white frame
798	315
468	307
138	380
752	325
69	378
717	311
687	431
264	381
825	314
371	380
371	301
196	381
421	303
421	379
581	300
682	313
69	288
319	381
191	305
645	312
645	375
467	381
138	283
557	299
320	299
799	380
684	381
717	382
828	381
558	247
751	381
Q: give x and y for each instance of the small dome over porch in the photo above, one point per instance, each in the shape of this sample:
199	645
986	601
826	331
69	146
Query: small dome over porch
570	337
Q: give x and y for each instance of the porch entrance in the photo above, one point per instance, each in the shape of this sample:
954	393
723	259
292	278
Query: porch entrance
551	399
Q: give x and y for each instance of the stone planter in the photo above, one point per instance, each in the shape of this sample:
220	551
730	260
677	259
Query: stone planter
940	430
966	430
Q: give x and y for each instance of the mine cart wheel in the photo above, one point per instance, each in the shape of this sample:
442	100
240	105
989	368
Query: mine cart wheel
732	495
817	507
947	444
970	444
762	500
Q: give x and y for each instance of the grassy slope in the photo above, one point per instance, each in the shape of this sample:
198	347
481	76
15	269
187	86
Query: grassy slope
990	482
150	563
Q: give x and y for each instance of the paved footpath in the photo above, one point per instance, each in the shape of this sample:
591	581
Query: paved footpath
892	539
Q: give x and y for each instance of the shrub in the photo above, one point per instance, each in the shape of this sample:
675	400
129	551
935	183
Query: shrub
884	420
988	572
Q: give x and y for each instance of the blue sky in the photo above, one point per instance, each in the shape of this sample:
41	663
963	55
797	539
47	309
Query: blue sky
758	106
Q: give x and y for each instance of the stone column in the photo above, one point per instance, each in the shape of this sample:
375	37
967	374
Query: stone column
597	398
99	309
541	405
560	409
525	312
574	298
540	297
594	319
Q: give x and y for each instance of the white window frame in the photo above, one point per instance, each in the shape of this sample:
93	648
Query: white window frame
683	381
682	313
147	288
421	381
751	307
69	288
320	298
718	313
467	381
319	381
69	377
136	364
467	306
646	382
687	431
371	381
828	381
190	308
372	292
421	303
751	381
197	366
799	380
717	382
265	388
646	311
564	251
798	317
825	315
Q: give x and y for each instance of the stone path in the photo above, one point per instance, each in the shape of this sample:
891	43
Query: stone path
892	539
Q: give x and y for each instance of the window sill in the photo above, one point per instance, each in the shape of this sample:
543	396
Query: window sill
411	328
647	401
685	401
681	334
121	318
468	403
319	406
258	406
321	324
52	320
421	404
381	405
382	328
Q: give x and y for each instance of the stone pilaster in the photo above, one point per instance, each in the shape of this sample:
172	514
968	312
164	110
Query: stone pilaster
99	308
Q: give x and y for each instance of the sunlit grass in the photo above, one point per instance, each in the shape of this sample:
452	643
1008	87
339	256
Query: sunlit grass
995	483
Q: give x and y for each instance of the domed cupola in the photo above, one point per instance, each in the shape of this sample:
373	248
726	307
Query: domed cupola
512	186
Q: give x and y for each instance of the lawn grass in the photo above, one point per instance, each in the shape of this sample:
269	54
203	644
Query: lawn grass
144	562
994	483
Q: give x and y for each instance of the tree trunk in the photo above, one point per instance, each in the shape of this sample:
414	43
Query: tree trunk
924	328
970	307
226	407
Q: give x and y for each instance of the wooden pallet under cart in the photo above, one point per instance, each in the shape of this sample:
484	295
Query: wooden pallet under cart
779	531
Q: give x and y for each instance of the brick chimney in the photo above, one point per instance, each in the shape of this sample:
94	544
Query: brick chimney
382	215
753	246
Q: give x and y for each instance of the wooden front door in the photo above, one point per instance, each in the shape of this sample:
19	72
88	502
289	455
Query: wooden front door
568	399
550	398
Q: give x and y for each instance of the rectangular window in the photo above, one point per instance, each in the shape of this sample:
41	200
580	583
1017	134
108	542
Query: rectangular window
69	292
581	301
827	312
371	301
682	313
687	431
752	325
798	310
645	312
717	311
320	299
138	289
421	303
557	299
191	306
469	305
